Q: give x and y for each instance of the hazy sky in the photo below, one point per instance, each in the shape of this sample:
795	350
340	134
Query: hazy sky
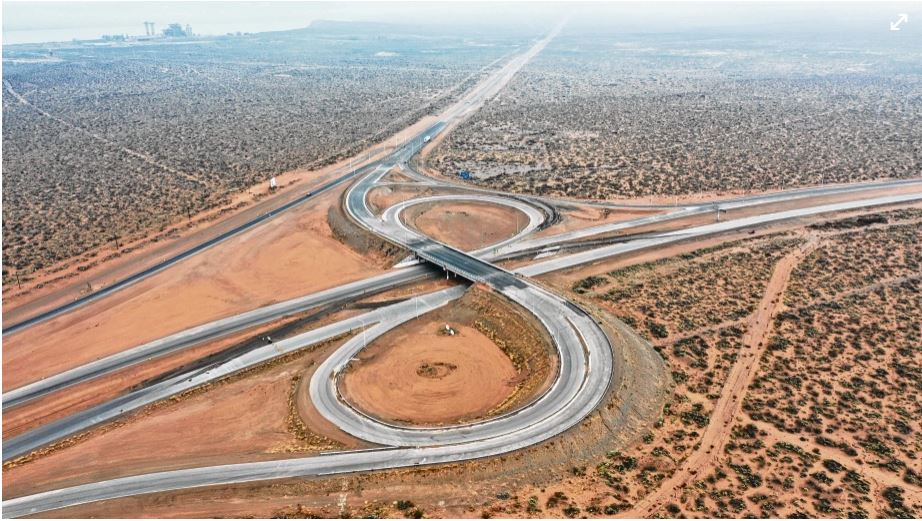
25	21
29	22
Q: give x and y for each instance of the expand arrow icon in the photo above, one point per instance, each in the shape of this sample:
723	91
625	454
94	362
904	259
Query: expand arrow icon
903	18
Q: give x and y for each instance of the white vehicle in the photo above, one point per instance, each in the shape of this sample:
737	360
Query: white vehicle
426	139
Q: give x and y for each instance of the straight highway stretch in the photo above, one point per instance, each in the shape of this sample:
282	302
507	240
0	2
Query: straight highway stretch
476	96
185	254
353	462
584	351
212	330
74	424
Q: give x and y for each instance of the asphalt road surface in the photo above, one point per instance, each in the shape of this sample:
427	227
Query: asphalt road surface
662	239
584	350
157	268
586	362
88	418
212	330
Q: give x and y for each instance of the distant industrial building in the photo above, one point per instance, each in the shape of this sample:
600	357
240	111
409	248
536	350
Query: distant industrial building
175	30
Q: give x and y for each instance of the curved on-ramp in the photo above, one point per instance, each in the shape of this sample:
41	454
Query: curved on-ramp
585	369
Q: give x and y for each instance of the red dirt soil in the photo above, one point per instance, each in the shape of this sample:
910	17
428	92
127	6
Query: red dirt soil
242	419
468	226
586	216
416	375
290	256
717	433
64	282
59	404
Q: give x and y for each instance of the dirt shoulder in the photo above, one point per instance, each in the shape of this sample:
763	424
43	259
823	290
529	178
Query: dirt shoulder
246	417
496	486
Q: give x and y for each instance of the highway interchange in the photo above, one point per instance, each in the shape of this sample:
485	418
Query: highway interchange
584	351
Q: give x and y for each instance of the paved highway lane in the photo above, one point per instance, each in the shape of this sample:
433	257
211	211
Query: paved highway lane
68	426
157	268
585	354
83	420
213	330
535	216
388	457
586	366
703	209
593	255
368	286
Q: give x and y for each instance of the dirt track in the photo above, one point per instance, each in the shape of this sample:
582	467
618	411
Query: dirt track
718	431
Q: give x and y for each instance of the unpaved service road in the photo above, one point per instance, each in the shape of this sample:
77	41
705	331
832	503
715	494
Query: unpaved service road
717	434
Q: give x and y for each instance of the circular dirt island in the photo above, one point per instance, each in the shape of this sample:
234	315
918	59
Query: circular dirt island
467	225
421	375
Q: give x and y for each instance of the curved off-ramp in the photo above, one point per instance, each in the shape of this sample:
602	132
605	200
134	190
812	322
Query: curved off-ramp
584	350
585	368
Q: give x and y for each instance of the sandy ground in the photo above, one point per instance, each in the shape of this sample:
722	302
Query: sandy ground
159	429
417	374
98	390
383	197
64	282
449	490
467	226
291	256
465	490
749	211
717	433
57	405
245	418
396	175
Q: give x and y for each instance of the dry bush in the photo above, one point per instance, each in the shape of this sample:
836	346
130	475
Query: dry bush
602	116
143	135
